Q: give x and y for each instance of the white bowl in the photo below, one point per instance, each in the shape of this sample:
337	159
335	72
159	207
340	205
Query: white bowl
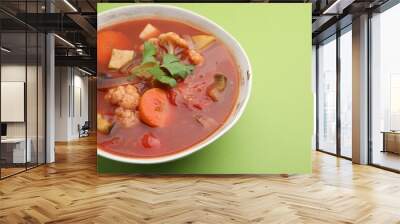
136	11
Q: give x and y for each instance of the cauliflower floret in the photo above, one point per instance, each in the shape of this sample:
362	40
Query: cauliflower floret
131	98
172	38
195	57
115	95
127	118
131	89
129	101
126	97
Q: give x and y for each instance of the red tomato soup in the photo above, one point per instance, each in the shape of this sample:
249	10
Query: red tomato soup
163	86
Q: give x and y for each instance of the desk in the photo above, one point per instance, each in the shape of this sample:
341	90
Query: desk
391	141
13	150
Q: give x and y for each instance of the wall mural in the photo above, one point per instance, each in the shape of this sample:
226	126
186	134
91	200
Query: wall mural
204	88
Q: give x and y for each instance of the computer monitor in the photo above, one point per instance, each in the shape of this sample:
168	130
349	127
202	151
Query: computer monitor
3	129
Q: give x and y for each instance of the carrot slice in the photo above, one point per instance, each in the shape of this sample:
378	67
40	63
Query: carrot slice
108	40
154	107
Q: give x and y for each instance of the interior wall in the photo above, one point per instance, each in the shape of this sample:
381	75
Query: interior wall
80	102
15	72
71	102
92	98
314	91
61	103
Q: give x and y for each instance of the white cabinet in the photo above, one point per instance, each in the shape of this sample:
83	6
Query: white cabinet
17	146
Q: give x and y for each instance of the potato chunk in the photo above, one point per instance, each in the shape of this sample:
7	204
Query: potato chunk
103	125
202	41
119	58
148	32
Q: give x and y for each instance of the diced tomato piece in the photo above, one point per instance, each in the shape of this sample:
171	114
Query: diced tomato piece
107	145
149	141
172	97
198	106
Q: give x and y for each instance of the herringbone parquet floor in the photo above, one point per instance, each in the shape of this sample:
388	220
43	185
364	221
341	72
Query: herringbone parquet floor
70	191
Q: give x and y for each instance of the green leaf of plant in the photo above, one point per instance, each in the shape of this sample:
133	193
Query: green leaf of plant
169	58
161	76
170	69
177	69
149	51
141	70
156	71
167	80
131	77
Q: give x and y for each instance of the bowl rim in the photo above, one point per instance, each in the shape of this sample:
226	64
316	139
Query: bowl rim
217	133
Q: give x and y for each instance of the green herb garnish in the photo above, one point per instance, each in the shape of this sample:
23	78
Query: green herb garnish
170	58
141	70
165	73
149	52
162	76
175	67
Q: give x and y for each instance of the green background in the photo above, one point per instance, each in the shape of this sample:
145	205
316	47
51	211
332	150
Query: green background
274	134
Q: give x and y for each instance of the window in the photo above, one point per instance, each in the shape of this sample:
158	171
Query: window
327	96
394	102
385	89
346	93
22	76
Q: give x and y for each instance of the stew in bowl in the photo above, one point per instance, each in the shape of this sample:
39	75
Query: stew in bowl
166	87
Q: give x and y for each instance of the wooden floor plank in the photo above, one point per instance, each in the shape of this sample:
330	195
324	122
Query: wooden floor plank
70	191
